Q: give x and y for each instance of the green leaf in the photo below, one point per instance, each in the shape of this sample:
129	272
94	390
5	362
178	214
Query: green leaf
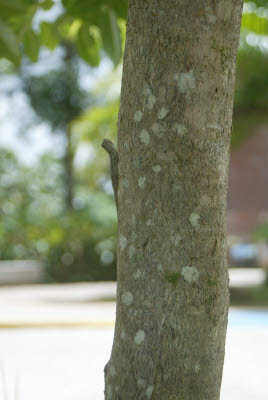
259	3
89	10
47	4
255	23
11	8
111	36
87	46
9	47
31	45
48	35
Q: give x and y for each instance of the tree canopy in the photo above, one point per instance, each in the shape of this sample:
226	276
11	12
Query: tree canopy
93	26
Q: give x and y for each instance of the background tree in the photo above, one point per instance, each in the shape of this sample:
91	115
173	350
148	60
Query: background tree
173	143
57	98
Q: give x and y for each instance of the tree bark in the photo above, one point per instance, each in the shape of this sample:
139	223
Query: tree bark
173	144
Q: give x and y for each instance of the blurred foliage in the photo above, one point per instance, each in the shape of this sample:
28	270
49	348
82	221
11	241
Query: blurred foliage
251	80
80	244
75	246
92	27
56	96
261	233
251	92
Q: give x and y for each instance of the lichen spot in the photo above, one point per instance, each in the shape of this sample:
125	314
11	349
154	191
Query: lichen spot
162	113
180	129
204	200
160	267
157	168
141	182
175	238
149	391
141	382
109	392
186	81
194	220
139	337
125	182
127	298
123	334
158	129
122	242
212	19
133	236
137	274
145	137
138	161
197	367
138	116
151	101
112	370
132	253
190	274
149	222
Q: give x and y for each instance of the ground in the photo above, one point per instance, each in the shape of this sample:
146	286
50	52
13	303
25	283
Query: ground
56	339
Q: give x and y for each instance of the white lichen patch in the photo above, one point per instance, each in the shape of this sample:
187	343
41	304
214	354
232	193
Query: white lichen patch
132	252
139	337
186	81
157	168
127	298
149	391
133	236
151	101
190	274
112	370
138	161
160	267
137	274
212	19
138	116
141	182
204	200
141	382
180	129
122	242
197	367
145	137
123	334
194	220
158	129
149	222
162	113
125	182
175	238
109	392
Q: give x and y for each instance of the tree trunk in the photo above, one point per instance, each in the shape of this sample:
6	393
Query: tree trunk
174	133
68	171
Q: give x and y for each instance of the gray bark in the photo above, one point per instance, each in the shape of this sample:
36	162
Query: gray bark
173	143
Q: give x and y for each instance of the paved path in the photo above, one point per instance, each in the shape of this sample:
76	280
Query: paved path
67	364
59	363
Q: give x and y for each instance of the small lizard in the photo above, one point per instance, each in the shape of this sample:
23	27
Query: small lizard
113	154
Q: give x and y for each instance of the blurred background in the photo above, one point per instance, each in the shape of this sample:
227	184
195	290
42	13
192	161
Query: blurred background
60	74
